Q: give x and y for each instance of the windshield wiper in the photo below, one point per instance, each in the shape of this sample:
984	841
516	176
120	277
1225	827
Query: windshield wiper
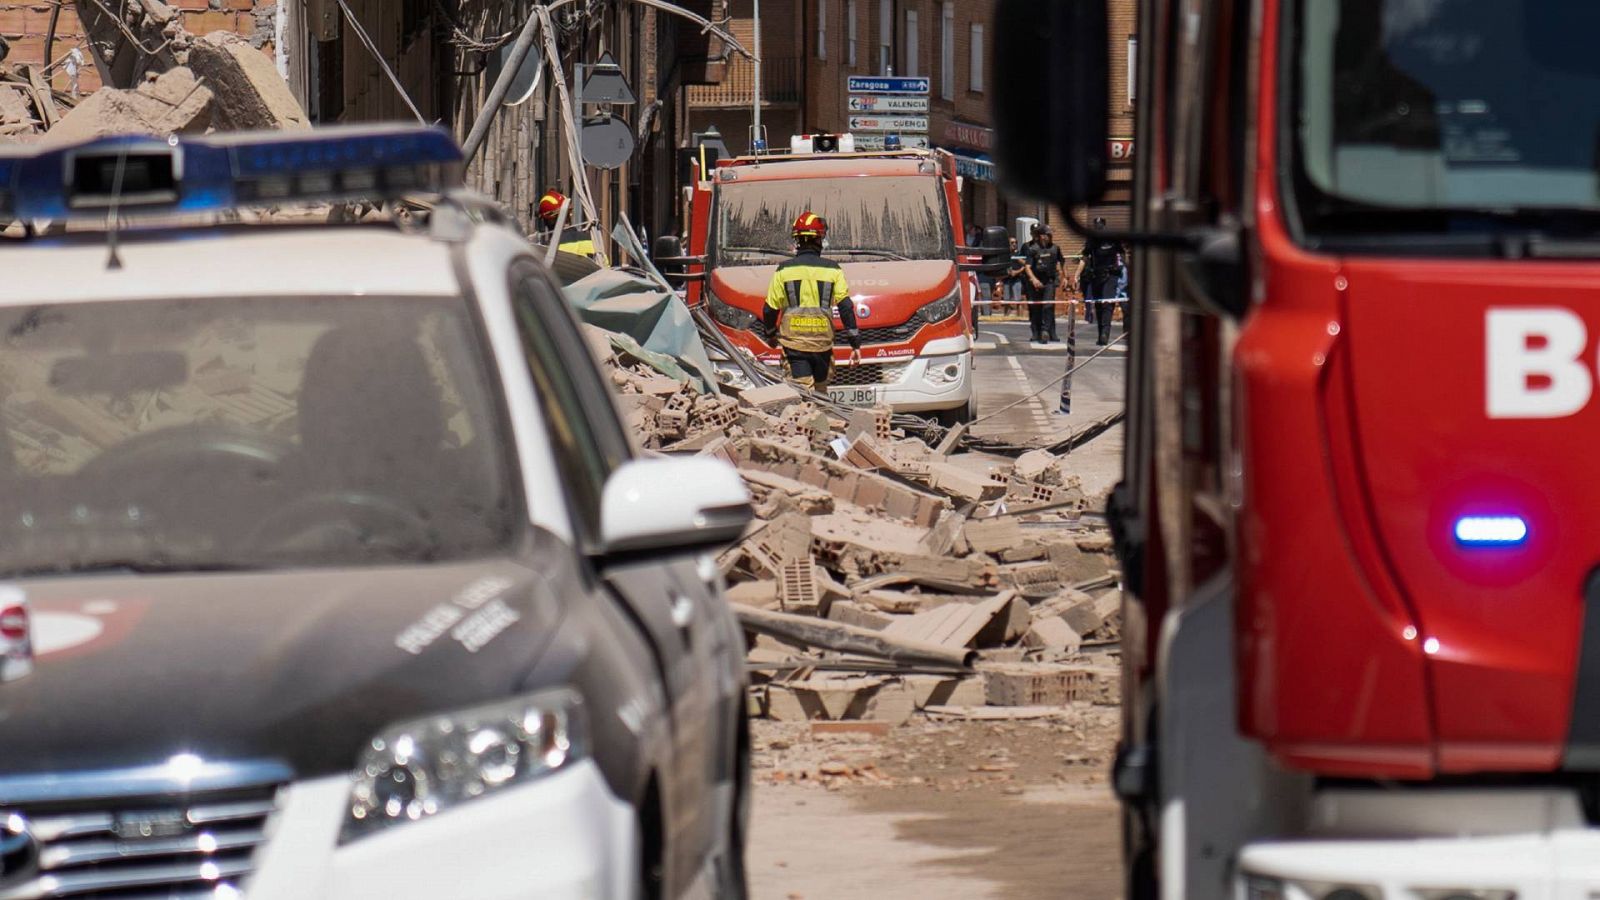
767	250
882	254
127	566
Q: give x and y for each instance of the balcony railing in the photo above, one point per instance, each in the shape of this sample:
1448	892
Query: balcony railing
780	83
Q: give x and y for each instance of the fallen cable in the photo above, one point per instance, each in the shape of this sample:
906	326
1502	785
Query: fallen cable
366	41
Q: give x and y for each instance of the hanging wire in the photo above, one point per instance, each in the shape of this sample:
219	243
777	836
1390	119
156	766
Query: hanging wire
372	48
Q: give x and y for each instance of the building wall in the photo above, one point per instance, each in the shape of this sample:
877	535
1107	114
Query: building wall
25	24
960	122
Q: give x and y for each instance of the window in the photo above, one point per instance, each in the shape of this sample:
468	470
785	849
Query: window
822	29
1133	68
947	51
913	47
587	439
850	32
975	63
885	37
231	433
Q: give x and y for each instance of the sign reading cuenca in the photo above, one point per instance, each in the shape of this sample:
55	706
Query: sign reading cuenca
890	124
888	84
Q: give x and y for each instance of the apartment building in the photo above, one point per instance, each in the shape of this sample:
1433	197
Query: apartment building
811	47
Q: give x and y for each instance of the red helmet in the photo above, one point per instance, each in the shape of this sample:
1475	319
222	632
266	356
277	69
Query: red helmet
810	225
550	205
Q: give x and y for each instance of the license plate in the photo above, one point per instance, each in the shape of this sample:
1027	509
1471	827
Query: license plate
854	396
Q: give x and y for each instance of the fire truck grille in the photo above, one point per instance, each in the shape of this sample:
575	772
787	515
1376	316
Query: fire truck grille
893	334
867	374
132	849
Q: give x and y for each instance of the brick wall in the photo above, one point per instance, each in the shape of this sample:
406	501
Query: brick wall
24	25
790	31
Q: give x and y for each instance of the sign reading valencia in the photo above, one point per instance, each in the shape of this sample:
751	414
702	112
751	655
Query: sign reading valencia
887	103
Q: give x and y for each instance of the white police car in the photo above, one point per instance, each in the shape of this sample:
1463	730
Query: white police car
339	574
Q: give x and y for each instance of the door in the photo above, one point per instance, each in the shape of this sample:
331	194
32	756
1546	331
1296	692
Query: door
669	601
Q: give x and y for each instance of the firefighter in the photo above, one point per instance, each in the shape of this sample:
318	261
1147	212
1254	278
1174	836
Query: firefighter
573	238
797	316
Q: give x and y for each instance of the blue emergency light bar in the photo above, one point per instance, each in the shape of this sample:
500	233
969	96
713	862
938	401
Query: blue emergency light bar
181	174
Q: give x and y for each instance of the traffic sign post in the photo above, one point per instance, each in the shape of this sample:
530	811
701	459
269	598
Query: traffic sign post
889	104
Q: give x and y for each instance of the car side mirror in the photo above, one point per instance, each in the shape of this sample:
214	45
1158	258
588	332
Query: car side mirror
667	254
1052	57
672	506
994	250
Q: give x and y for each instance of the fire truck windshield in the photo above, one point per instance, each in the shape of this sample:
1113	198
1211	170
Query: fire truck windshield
1481	106
880	218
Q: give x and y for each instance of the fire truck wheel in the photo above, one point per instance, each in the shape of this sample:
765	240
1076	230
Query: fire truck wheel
950	418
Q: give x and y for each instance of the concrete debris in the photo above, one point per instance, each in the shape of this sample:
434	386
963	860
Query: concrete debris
175	102
250	92
876	561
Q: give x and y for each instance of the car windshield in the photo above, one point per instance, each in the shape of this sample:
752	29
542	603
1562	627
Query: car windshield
880	218
181	435
1481	105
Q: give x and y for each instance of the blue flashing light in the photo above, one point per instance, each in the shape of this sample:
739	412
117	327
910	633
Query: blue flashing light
182	174
760	145
891	142
1491	531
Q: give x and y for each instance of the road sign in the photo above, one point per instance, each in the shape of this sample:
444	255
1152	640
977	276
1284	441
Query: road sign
891	124
606	142
907	142
888	84
887	103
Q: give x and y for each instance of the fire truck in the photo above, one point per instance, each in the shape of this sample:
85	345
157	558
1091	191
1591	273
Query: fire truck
1357	526
894	220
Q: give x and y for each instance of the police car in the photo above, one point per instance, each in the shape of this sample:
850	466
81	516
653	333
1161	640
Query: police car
328	569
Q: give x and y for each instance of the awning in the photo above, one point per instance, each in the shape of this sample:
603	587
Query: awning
973	165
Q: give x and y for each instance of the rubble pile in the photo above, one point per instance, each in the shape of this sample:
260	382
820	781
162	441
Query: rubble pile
884	578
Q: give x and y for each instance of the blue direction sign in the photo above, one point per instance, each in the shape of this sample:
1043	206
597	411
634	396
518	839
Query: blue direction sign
888	84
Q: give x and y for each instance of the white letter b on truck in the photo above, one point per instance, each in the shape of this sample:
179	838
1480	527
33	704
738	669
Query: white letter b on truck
1535	367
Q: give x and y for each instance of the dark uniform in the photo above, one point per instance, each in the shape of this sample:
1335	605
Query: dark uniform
1102	271
798	315
1045	261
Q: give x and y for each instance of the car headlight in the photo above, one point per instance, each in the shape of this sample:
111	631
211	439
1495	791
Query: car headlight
942	309
943	370
732	316
417	769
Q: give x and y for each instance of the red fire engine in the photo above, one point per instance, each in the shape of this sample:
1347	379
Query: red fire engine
1362	637
894	222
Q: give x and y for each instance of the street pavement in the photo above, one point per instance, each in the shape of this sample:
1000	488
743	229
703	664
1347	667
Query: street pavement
1009	367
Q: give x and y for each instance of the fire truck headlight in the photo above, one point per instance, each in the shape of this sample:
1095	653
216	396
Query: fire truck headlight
1491	531
943	308
732	316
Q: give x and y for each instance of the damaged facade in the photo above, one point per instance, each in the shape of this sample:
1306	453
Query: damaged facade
382	60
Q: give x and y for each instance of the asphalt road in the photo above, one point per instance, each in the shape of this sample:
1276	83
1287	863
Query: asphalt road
1009	368
1044	829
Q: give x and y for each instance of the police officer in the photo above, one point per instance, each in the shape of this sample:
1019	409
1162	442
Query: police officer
1042	265
573	238
800	298
1099	272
